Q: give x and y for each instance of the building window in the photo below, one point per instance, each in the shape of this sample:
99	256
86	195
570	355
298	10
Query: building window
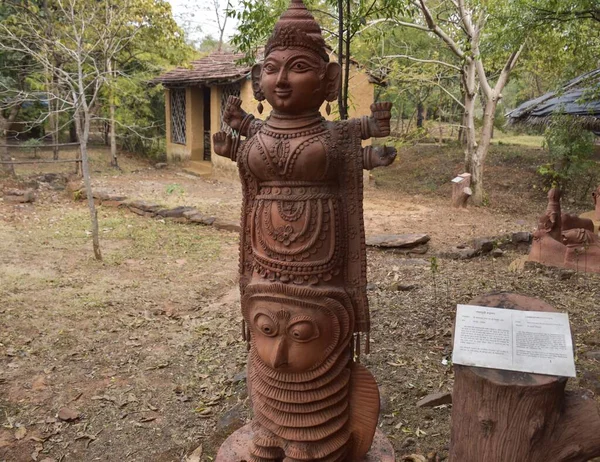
227	91
178	116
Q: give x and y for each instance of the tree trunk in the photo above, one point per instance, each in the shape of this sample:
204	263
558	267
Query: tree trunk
54	107
347	63
341	105
5	123
470	94
83	134
54	124
6	169
113	136
478	158
420	116
502	416
73	137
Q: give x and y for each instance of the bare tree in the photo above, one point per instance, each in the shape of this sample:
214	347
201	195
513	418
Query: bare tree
221	14
84	48
462	31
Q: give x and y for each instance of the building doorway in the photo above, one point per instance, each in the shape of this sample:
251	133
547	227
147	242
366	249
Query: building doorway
206	118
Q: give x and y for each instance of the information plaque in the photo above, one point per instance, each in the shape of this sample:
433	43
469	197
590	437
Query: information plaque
458	179
527	341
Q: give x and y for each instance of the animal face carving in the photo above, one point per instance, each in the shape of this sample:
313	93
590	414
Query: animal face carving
292	338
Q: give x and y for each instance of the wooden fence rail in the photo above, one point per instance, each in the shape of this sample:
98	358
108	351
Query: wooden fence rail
39	146
39	161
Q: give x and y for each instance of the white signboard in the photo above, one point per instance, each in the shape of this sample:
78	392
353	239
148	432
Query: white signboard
458	179
526	341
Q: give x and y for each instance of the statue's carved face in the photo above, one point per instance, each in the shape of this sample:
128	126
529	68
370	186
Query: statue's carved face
292	338
296	80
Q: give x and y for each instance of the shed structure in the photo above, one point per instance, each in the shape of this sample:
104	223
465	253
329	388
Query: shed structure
578	98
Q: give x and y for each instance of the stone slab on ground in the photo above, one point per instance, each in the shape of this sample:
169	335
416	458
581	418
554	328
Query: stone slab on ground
103	196
112	203
482	244
521	237
397	240
19	196
435	399
144	206
225	225
177	212
460	253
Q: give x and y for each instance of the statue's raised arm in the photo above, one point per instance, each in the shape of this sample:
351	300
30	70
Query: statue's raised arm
377	125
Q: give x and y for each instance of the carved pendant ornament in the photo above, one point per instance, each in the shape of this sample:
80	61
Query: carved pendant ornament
302	253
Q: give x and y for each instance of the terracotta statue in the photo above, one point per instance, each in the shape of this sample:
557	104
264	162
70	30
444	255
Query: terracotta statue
302	255
547	247
583	250
564	240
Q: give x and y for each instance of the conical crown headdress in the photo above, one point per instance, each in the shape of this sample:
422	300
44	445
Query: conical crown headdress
297	28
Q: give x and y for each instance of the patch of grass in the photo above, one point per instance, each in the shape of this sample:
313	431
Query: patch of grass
517	140
135	237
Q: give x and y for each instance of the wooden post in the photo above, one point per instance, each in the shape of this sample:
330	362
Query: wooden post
461	190
506	416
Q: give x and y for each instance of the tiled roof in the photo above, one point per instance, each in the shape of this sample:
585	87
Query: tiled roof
213	69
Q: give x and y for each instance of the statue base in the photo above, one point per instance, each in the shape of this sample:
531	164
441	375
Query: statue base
235	448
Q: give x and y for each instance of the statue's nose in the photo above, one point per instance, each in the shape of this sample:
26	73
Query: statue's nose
279	355
282	78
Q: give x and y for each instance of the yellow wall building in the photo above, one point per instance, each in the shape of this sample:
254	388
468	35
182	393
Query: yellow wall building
195	97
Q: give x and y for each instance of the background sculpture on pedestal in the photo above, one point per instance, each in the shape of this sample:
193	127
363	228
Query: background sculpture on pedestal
564	240
302	253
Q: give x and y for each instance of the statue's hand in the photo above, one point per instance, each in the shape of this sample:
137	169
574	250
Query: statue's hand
222	144
383	155
233	114
381	113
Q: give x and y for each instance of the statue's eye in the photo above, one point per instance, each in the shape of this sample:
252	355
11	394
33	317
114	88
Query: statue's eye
270	68
303	331
299	66
266	325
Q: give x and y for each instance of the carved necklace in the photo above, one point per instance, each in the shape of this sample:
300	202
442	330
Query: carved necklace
293	126
294	134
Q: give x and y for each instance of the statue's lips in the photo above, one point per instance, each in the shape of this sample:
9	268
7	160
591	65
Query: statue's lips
283	93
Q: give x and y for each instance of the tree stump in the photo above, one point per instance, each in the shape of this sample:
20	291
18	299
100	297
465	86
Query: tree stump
461	190
506	416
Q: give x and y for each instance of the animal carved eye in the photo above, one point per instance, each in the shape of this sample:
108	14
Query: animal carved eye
303	331
266	325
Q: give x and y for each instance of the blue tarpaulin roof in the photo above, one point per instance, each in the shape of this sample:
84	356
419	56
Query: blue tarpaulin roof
578	98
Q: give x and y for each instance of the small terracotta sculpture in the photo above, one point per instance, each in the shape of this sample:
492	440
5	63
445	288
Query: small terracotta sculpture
302	254
564	240
547	247
583	250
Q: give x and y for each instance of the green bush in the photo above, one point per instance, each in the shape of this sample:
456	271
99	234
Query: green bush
570	167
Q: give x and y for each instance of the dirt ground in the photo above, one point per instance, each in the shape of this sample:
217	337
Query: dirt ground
139	357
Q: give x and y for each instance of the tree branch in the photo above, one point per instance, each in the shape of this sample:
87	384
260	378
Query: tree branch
425	61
